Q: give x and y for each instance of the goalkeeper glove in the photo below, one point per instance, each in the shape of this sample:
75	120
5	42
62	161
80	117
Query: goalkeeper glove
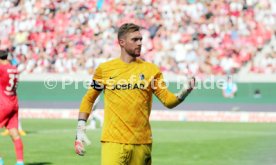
81	138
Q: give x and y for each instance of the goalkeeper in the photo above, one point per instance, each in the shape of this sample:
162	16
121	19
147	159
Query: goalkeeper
128	84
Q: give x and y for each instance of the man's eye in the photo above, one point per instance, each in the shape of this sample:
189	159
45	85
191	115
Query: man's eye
137	39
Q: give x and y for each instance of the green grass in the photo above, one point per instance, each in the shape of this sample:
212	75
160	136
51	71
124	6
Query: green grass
175	143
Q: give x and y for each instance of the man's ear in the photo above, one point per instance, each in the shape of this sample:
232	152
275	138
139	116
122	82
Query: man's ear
122	42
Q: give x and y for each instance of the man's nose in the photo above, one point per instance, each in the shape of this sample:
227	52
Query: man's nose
139	42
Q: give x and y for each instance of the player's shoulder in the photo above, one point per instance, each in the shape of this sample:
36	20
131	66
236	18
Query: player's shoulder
148	65
7	66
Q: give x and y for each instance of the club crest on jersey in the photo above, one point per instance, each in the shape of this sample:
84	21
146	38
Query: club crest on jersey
142	76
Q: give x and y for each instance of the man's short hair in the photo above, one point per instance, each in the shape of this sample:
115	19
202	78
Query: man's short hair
127	28
3	54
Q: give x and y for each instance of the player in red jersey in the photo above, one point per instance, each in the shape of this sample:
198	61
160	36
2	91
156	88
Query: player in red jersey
9	103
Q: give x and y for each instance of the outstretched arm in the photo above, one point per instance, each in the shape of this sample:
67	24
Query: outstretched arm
169	99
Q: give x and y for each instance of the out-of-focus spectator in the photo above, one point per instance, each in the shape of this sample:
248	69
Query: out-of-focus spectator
265	62
257	94
230	88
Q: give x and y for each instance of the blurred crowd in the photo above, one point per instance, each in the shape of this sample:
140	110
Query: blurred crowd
265	63
181	36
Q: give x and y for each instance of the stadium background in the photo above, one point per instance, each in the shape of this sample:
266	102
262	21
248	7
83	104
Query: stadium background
53	41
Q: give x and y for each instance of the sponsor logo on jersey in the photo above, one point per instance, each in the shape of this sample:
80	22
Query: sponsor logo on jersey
127	86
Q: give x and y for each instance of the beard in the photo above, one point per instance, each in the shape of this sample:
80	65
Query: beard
133	52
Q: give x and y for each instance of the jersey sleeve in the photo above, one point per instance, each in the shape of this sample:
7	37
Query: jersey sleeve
160	89
93	92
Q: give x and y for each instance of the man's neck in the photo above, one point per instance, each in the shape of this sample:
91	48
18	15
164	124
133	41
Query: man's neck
4	61
127	58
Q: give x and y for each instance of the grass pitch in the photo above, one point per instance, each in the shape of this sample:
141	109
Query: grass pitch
51	142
